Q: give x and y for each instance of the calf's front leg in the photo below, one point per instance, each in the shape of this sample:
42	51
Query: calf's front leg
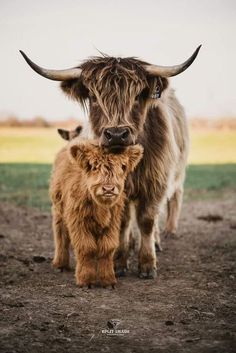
61	242
107	246
85	249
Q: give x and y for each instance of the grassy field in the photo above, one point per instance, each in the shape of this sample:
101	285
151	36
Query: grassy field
26	156
39	145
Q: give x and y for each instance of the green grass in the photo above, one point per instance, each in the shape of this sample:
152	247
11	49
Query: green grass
27	184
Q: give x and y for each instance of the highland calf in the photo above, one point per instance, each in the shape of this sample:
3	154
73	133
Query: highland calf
87	193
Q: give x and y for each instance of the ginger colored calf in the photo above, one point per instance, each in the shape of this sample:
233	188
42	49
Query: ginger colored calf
87	193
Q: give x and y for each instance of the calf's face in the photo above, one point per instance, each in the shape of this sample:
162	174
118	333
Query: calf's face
104	172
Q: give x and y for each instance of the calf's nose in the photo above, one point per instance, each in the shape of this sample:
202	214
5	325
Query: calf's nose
108	188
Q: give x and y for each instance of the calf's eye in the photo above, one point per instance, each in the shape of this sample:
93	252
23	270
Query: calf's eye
124	167
88	167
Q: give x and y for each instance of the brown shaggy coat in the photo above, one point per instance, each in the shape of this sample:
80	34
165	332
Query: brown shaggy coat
87	193
120	92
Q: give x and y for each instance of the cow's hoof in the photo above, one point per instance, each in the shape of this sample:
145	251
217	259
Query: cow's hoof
169	234
148	275
158	247
121	272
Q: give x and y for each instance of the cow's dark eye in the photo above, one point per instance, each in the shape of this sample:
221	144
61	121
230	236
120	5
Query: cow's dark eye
92	97
142	95
138	97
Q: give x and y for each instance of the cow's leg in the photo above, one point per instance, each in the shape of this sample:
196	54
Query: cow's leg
122	253
62	243
173	212
157	235
147	254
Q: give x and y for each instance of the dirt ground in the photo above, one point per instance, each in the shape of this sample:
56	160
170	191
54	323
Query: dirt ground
190	307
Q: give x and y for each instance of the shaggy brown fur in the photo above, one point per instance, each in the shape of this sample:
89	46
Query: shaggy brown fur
87	192
119	92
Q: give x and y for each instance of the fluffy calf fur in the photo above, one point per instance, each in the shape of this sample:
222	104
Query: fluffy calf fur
87	193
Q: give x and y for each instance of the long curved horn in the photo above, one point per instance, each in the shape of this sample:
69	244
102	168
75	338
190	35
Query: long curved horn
168	71
56	75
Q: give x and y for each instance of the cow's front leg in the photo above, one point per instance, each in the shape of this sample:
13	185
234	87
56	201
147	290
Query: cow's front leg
122	253
147	253
173	212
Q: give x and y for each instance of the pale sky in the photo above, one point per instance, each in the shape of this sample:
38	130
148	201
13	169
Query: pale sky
61	33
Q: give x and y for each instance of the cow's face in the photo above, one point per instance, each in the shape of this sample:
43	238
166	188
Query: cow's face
118	93
104	172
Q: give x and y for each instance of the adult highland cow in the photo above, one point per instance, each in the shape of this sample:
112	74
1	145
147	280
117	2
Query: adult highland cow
130	101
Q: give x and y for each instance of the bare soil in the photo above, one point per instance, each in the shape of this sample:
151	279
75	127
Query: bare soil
190	307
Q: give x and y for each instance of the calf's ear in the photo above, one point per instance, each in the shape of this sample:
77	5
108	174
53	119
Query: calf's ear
64	134
83	154
79	154
134	154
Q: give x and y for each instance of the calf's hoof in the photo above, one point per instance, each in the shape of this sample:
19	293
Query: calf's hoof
61	266
108	281
85	283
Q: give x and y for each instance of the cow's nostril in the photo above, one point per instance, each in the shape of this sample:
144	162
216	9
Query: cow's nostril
108	135
125	134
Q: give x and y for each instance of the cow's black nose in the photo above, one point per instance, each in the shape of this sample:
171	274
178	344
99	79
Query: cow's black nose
116	136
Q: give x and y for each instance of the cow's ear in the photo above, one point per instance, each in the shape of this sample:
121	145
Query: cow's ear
157	85
75	89
134	154
78	129
64	134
